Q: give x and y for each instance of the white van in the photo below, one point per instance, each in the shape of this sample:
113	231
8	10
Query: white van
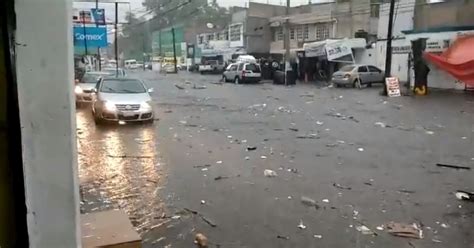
131	64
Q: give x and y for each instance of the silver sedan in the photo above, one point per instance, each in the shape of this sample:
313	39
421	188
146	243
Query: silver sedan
358	75
122	99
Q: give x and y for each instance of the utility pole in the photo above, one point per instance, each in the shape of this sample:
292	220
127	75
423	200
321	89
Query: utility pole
116	40
388	56
97	25
174	51
286	41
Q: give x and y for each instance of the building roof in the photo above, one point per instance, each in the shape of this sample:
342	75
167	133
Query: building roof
306	18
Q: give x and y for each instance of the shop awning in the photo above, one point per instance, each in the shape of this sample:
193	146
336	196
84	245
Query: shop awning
457	60
333	49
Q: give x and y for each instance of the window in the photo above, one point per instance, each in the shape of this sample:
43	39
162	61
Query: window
241	67
299	32
233	68
279	34
252	67
200	39
226	35
322	31
292	33
375	10
374	69
210	37
235	32
306	31
362	69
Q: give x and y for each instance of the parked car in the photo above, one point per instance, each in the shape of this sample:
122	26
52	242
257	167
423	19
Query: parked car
242	73
84	87
358	75
122	99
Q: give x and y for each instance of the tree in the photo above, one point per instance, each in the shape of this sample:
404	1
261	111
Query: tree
134	38
186	13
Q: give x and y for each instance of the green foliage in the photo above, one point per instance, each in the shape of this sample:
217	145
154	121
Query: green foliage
191	12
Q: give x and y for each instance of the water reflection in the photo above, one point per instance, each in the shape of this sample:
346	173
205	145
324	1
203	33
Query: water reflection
118	169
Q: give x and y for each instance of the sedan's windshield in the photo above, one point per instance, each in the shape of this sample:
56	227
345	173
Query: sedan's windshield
122	86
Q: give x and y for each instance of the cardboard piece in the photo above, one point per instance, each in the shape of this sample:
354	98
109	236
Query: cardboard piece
111	229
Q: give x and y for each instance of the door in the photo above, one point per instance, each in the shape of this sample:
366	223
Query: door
376	75
363	74
233	71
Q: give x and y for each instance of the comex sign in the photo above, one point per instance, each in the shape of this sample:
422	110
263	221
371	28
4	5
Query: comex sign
90	36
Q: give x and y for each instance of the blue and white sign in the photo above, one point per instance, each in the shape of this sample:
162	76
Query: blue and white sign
92	36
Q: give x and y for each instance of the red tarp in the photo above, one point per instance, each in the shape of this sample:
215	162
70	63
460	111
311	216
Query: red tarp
457	60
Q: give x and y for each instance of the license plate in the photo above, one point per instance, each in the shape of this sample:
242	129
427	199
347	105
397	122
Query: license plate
128	114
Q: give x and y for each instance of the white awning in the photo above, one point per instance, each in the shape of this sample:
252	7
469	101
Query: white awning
333	49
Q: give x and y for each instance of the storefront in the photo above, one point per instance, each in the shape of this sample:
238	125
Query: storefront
322	58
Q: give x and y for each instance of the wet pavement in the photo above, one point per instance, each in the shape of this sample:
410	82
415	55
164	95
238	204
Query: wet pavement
364	160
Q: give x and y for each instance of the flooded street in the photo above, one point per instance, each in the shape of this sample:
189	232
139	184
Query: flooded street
264	165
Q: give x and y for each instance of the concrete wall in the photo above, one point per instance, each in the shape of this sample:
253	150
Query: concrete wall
444	14
257	35
45	90
403	21
352	16
265	10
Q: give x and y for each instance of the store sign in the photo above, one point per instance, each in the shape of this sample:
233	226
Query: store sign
338	50
89	16
436	46
401	49
393	87
315	51
90	36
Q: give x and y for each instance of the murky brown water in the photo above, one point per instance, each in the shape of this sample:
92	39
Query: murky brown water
120	168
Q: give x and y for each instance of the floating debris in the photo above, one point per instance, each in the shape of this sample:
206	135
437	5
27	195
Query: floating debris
364	230
405	230
269	173
201	241
301	225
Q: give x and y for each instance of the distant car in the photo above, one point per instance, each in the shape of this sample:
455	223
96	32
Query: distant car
122	99
211	66
113	72
358	75
169	68
242	73
84	87
131	64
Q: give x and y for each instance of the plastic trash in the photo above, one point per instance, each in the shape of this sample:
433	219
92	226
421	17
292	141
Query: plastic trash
251	148
364	230
465	196
269	173
301	225
309	202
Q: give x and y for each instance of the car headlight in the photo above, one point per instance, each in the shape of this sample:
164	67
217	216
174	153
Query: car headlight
109	106
78	90
145	106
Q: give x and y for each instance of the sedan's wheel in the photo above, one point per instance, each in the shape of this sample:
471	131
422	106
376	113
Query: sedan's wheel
97	120
236	80
357	84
